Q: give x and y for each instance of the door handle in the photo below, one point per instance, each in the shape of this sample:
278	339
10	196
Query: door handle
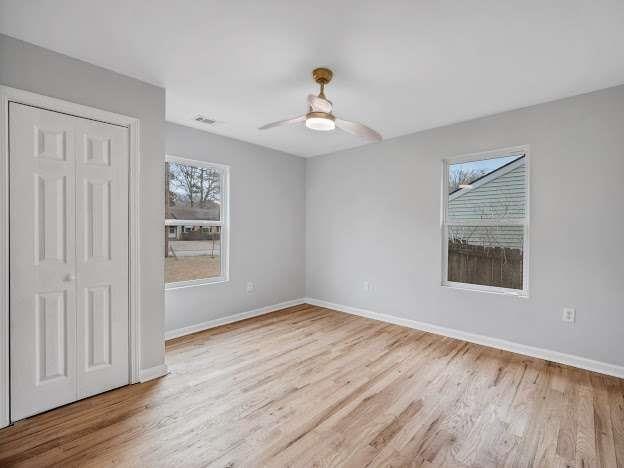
70	277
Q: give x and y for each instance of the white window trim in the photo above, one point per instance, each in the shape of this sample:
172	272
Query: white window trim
444	223
224	222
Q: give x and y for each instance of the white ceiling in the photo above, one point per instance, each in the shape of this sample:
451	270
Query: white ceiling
400	66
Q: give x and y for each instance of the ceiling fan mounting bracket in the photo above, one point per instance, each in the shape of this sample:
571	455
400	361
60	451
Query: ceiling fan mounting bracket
322	75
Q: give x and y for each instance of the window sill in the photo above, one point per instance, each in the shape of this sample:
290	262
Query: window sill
486	289
195	283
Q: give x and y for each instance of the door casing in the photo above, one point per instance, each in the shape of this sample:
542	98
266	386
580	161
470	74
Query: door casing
7	95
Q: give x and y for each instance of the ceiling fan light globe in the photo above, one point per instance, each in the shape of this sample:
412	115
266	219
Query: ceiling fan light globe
320	124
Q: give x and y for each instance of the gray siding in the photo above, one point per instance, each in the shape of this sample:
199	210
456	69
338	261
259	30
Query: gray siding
503	197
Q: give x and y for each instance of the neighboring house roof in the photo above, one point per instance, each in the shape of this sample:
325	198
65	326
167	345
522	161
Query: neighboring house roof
491	175
193	213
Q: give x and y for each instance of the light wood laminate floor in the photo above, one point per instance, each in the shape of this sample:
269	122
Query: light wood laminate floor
308	386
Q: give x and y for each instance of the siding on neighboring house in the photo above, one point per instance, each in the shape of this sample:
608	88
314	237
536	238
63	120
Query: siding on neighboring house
499	195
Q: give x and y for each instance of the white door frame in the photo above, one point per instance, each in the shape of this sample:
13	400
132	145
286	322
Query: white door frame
25	97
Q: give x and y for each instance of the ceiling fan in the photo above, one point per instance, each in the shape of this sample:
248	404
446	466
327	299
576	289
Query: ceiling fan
320	117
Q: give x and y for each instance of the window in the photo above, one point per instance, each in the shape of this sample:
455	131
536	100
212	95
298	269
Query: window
485	222
196	220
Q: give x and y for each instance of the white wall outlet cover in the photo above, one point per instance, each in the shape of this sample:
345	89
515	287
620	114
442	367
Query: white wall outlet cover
251	286
367	286
569	314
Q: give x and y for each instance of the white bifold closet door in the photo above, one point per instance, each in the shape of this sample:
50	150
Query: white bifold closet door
68	258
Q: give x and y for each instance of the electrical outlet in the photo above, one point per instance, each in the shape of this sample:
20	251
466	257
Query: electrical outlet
368	287
569	314
251	287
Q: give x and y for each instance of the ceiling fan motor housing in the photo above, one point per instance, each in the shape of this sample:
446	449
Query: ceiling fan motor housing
320	115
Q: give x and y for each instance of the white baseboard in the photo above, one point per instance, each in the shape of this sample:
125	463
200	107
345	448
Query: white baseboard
229	319
541	353
152	373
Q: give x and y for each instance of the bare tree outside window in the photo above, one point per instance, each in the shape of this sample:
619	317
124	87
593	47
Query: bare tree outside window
193	186
462	177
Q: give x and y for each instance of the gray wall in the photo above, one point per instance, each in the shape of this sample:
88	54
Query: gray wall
373	214
267	228
28	67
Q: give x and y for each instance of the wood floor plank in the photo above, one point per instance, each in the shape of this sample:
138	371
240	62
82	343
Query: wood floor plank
308	386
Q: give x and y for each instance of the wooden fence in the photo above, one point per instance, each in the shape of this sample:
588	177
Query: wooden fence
491	266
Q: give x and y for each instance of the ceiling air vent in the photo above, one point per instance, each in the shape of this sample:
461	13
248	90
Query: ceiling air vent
205	120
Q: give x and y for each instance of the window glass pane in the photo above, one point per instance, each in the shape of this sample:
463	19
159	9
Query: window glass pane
486	255
192	252
487	189
194	193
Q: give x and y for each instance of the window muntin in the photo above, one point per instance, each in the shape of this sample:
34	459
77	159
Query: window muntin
485	223
196	222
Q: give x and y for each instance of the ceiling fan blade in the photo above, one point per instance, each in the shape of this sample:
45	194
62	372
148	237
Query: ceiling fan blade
358	129
294	120
318	104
